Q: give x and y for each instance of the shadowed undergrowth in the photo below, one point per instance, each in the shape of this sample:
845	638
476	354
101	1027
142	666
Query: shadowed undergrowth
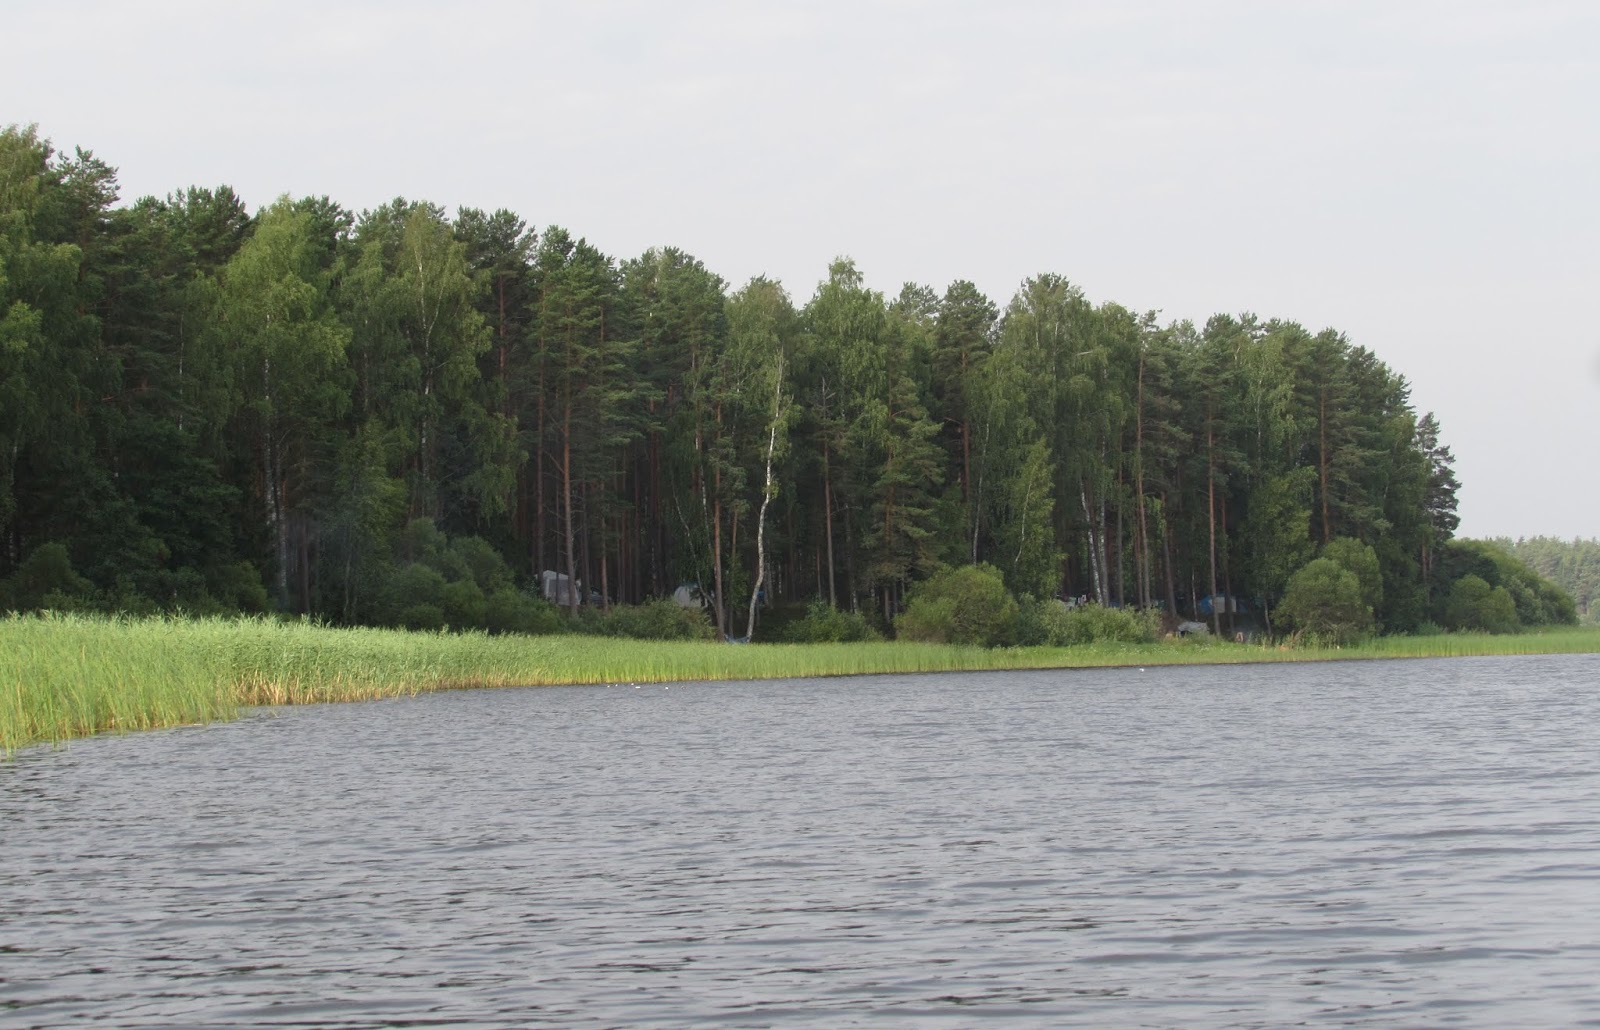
65	676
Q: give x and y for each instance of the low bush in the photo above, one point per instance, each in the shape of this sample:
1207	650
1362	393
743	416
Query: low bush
1325	603
46	579
663	619
422	617
965	605
509	610
1474	605
825	624
1051	623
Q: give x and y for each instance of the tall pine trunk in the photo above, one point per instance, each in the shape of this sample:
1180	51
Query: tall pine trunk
566	494
1138	471
1211	519
827	517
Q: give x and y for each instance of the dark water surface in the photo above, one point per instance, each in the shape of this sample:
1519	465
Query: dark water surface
1400	843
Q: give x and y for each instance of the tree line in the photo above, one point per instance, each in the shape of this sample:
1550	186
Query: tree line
1573	565
402	417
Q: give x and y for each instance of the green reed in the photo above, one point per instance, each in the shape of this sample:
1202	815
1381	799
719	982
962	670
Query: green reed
65	676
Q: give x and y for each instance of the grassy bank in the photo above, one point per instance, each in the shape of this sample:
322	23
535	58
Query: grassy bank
69	676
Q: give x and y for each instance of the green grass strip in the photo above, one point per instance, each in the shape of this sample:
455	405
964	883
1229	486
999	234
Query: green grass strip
66	676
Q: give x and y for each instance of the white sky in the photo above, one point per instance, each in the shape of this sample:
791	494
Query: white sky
1421	174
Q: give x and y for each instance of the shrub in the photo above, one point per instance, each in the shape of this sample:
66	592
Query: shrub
1053	624
407	588
1359	558
422	617
1535	600
239	587
46	579
825	624
662	619
1324	601
1091	624
1035	619
463	605
966	605
482	562
509	610
1474	605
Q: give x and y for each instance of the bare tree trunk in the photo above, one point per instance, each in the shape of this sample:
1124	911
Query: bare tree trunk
272	469
1227	578
720	607
1166	551
538	481
851	583
1119	579
766	499
1138	467
975	508
280	522
1322	460
566	494
605	579
658	527
827	514
888	537
586	541
305	565
1094	547
1211	518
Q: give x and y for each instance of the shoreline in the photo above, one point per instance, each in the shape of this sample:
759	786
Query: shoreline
64	677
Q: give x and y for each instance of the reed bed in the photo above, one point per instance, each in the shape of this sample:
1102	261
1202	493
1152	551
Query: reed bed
65	676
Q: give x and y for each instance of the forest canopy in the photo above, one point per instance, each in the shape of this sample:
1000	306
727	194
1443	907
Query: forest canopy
403	417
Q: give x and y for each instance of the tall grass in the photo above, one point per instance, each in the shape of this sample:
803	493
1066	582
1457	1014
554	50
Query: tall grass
64	676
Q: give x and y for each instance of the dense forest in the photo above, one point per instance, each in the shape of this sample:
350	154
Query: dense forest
400	417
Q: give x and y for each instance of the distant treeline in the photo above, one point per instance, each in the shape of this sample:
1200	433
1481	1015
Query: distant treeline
399	417
1573	565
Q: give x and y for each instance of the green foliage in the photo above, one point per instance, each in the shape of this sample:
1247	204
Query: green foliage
463	605
1474	605
661	619
1572	566
1051	623
460	584
825	624
237	588
965	605
1536	600
1325	602
45	579
1359	558
1033	561
421	618
1405	599
212	411
1276	533
509	610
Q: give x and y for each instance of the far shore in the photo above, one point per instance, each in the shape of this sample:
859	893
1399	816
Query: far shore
63	677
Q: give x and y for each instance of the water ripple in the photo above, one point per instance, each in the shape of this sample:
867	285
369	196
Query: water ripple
1405	843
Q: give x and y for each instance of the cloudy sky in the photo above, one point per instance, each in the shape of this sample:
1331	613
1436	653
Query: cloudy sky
1423	175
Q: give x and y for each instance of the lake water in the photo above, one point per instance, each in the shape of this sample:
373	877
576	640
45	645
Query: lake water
1397	843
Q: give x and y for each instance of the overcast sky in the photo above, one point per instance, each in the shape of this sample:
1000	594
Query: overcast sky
1423	175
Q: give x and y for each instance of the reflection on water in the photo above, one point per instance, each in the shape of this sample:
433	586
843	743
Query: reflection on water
1414	843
